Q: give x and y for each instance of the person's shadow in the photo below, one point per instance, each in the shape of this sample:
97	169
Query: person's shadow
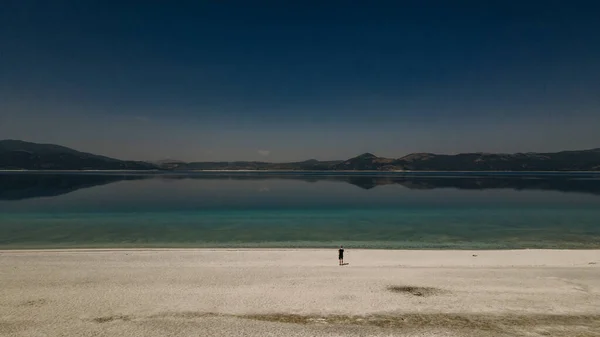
345	264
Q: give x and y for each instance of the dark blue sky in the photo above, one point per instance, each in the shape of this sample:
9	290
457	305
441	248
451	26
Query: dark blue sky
292	80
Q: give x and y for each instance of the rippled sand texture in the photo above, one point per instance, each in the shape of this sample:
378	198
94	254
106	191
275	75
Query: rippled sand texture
299	293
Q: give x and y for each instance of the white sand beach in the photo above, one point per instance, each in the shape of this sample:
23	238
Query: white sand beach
265	292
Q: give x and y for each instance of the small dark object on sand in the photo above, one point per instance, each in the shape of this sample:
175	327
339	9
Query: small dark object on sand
416	291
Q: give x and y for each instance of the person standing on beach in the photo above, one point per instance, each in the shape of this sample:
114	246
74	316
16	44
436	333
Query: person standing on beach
341	255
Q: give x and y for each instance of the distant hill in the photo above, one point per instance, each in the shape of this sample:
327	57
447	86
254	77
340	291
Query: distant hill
20	155
168	164
366	162
585	160
16	154
308	165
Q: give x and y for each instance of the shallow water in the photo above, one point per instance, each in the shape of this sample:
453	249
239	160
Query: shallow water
427	210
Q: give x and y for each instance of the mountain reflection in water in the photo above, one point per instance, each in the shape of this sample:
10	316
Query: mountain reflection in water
35	185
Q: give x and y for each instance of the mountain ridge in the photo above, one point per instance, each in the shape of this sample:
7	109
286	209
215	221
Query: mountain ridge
21	155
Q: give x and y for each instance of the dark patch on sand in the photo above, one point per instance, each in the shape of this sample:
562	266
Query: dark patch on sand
187	315
416	291
481	324
554	325
107	319
34	303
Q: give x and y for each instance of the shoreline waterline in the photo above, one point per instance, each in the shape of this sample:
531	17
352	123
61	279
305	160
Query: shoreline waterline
299	246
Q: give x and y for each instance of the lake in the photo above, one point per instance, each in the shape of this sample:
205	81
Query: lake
285	209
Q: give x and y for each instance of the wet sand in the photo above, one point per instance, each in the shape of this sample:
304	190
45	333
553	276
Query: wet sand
274	292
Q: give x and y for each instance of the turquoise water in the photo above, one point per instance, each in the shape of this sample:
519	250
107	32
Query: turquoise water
299	210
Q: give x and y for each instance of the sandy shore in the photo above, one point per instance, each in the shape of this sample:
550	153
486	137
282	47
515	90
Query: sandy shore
299	293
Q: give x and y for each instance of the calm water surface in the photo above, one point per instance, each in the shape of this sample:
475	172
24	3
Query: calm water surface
299	210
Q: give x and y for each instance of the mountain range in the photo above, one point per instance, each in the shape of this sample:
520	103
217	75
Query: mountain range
20	155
